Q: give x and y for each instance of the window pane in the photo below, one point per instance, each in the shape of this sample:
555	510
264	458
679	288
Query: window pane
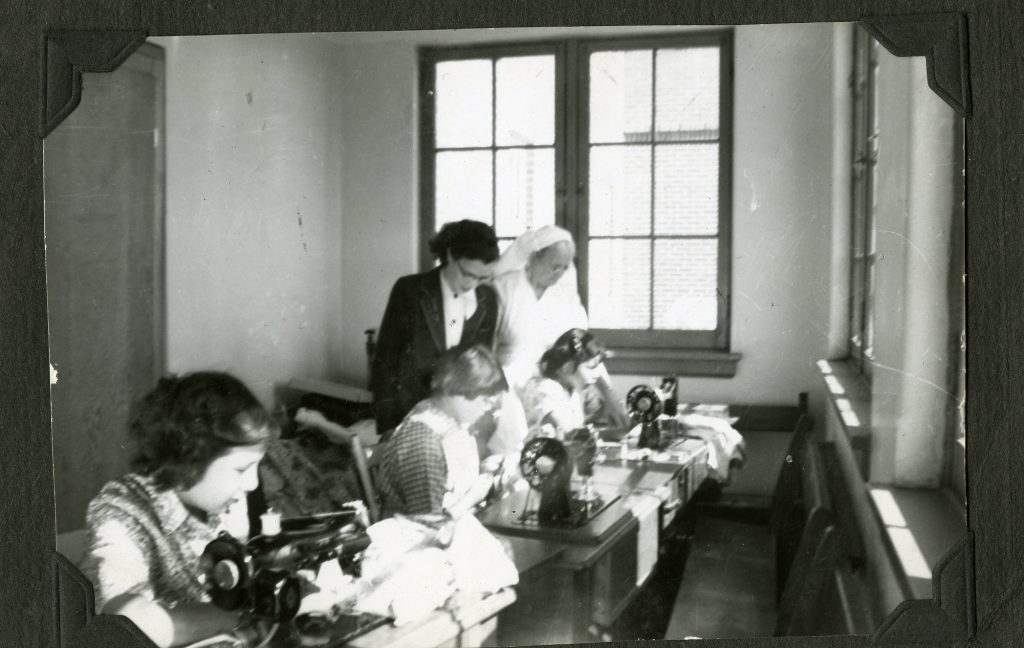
620	190
463	103
686	284
526	101
868	342
619	283
686	189
687	94
620	96
526	190
463	187
857	306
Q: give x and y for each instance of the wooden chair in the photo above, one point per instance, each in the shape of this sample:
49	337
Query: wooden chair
315	419
788	510
817	551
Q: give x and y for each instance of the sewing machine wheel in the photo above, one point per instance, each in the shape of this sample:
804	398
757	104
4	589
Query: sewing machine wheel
541	457
644	403
226	572
276	595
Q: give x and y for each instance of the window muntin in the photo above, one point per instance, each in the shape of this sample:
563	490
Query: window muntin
492	151
645	157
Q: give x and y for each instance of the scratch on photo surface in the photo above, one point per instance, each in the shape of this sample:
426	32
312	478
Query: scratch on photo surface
53	374
749	299
911	245
919	379
92	192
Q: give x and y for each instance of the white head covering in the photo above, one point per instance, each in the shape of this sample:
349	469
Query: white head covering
518	254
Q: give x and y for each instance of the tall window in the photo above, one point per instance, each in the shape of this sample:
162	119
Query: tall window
906	269
864	202
626	143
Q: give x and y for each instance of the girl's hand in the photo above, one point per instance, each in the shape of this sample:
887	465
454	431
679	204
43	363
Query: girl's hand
476	494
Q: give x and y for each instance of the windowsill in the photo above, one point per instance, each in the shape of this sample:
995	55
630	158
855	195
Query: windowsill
679	362
850	398
919	525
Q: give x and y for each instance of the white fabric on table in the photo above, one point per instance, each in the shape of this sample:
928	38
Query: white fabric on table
723	441
646	511
409	569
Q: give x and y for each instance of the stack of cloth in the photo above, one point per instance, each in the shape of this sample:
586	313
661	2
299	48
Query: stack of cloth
726	446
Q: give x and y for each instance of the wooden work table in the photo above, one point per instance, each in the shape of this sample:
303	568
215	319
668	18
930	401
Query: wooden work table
596	569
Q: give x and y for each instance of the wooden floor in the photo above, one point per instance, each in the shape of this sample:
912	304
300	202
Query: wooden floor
728	585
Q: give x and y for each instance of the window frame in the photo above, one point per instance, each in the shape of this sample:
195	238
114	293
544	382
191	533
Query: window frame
693	352
954	472
864	85
718	339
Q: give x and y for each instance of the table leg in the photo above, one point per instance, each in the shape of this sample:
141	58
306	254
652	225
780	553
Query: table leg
582	608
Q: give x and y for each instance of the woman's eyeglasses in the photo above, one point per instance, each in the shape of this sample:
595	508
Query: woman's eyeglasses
469	275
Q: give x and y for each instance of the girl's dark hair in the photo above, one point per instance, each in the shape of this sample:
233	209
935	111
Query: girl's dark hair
465	239
186	422
468	372
576	346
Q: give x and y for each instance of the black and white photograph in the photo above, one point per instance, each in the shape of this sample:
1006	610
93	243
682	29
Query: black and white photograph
509	336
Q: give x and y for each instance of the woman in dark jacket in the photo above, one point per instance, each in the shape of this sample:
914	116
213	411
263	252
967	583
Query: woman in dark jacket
431	312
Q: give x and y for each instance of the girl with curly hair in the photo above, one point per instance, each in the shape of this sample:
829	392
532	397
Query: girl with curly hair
198	439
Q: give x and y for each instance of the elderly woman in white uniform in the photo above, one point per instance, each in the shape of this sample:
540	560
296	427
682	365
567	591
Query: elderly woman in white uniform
536	284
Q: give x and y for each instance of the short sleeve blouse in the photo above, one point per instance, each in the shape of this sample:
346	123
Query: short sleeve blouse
544	396
430	460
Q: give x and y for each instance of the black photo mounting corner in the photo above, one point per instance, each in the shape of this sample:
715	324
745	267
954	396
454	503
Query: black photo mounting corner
949	614
70	52
940	38
75	623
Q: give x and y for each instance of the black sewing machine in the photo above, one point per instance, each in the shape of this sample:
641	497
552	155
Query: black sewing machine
262	577
547	466
645	406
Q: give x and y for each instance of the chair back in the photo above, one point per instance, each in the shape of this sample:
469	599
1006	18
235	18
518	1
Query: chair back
351	439
816	554
788	513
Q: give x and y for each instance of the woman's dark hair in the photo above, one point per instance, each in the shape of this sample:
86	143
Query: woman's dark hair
575	346
468	372
465	239
186	422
